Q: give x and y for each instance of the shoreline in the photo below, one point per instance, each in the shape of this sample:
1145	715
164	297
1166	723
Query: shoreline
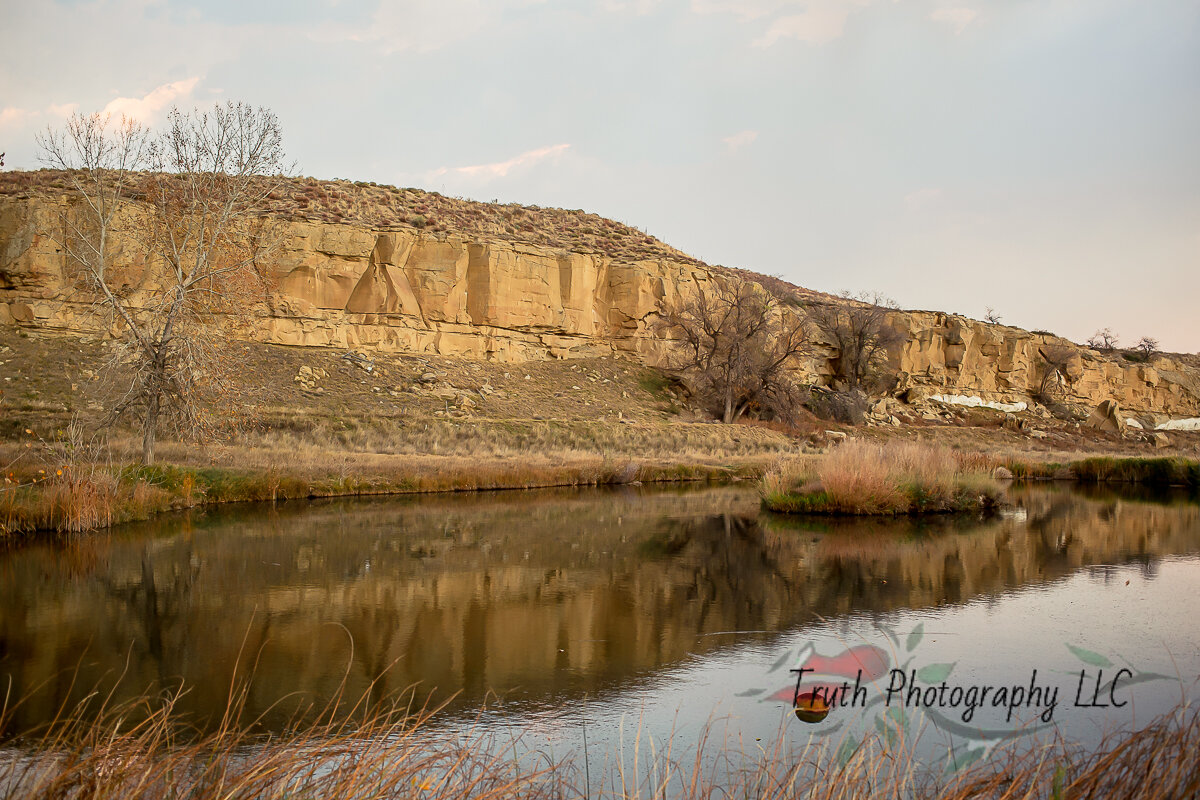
78	502
89	497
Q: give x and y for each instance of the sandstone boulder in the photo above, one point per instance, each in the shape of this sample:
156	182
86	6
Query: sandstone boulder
1106	417
309	378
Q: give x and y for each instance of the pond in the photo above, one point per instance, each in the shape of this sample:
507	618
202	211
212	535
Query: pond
625	612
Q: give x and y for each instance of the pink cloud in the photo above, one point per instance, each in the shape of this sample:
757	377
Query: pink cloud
957	18
819	23
13	116
148	107
740	139
501	169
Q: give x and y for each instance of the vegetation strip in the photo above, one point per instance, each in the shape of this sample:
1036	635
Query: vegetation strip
80	498
851	479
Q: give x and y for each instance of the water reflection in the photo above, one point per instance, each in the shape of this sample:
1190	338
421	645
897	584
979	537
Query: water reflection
539	597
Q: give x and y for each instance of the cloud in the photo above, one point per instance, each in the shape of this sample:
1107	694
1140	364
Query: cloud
12	116
813	21
501	169
637	7
957	18
146	108
740	140
821	21
65	110
746	9
424	26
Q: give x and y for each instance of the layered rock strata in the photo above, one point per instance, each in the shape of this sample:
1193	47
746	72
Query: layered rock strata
406	290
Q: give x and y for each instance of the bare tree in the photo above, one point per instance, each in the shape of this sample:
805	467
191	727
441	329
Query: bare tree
1104	340
857	326
200	241
990	315
736	347
1147	346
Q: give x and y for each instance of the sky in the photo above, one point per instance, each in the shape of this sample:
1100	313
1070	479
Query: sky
1038	157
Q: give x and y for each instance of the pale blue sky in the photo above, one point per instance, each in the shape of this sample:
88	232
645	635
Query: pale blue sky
1039	157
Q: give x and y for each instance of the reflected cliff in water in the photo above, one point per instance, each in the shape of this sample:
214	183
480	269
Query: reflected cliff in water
537	597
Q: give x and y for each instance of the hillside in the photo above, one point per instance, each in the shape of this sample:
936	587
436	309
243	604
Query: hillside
409	342
388	208
402	271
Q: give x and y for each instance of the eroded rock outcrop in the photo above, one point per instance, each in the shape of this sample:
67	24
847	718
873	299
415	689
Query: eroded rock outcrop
943	354
343	285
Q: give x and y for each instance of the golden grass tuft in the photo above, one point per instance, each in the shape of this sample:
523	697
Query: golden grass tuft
893	478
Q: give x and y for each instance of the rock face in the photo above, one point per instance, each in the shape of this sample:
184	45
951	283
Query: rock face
344	286
944	353
341	285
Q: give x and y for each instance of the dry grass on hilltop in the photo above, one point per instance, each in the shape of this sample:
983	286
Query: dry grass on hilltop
381	207
378	206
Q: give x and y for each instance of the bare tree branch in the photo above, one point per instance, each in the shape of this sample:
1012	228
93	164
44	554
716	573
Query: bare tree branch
1104	340
735	347
858	328
201	236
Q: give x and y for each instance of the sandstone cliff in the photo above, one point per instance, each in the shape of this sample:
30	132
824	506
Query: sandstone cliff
402	288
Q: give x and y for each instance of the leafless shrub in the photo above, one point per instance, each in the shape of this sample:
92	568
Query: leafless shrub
1104	340
858	328
849	407
736	347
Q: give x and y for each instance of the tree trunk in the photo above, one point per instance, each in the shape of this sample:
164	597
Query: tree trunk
728	418
148	427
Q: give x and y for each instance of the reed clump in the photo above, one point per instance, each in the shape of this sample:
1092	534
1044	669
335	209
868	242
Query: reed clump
880	479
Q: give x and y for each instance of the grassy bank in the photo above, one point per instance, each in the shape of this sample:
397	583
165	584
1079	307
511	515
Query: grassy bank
1152	471
872	479
79	497
56	490
362	750
1168	471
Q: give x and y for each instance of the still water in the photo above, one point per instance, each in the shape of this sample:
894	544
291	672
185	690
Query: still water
664	610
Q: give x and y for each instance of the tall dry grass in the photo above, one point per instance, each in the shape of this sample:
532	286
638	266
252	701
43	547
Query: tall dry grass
362	749
143	749
865	478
